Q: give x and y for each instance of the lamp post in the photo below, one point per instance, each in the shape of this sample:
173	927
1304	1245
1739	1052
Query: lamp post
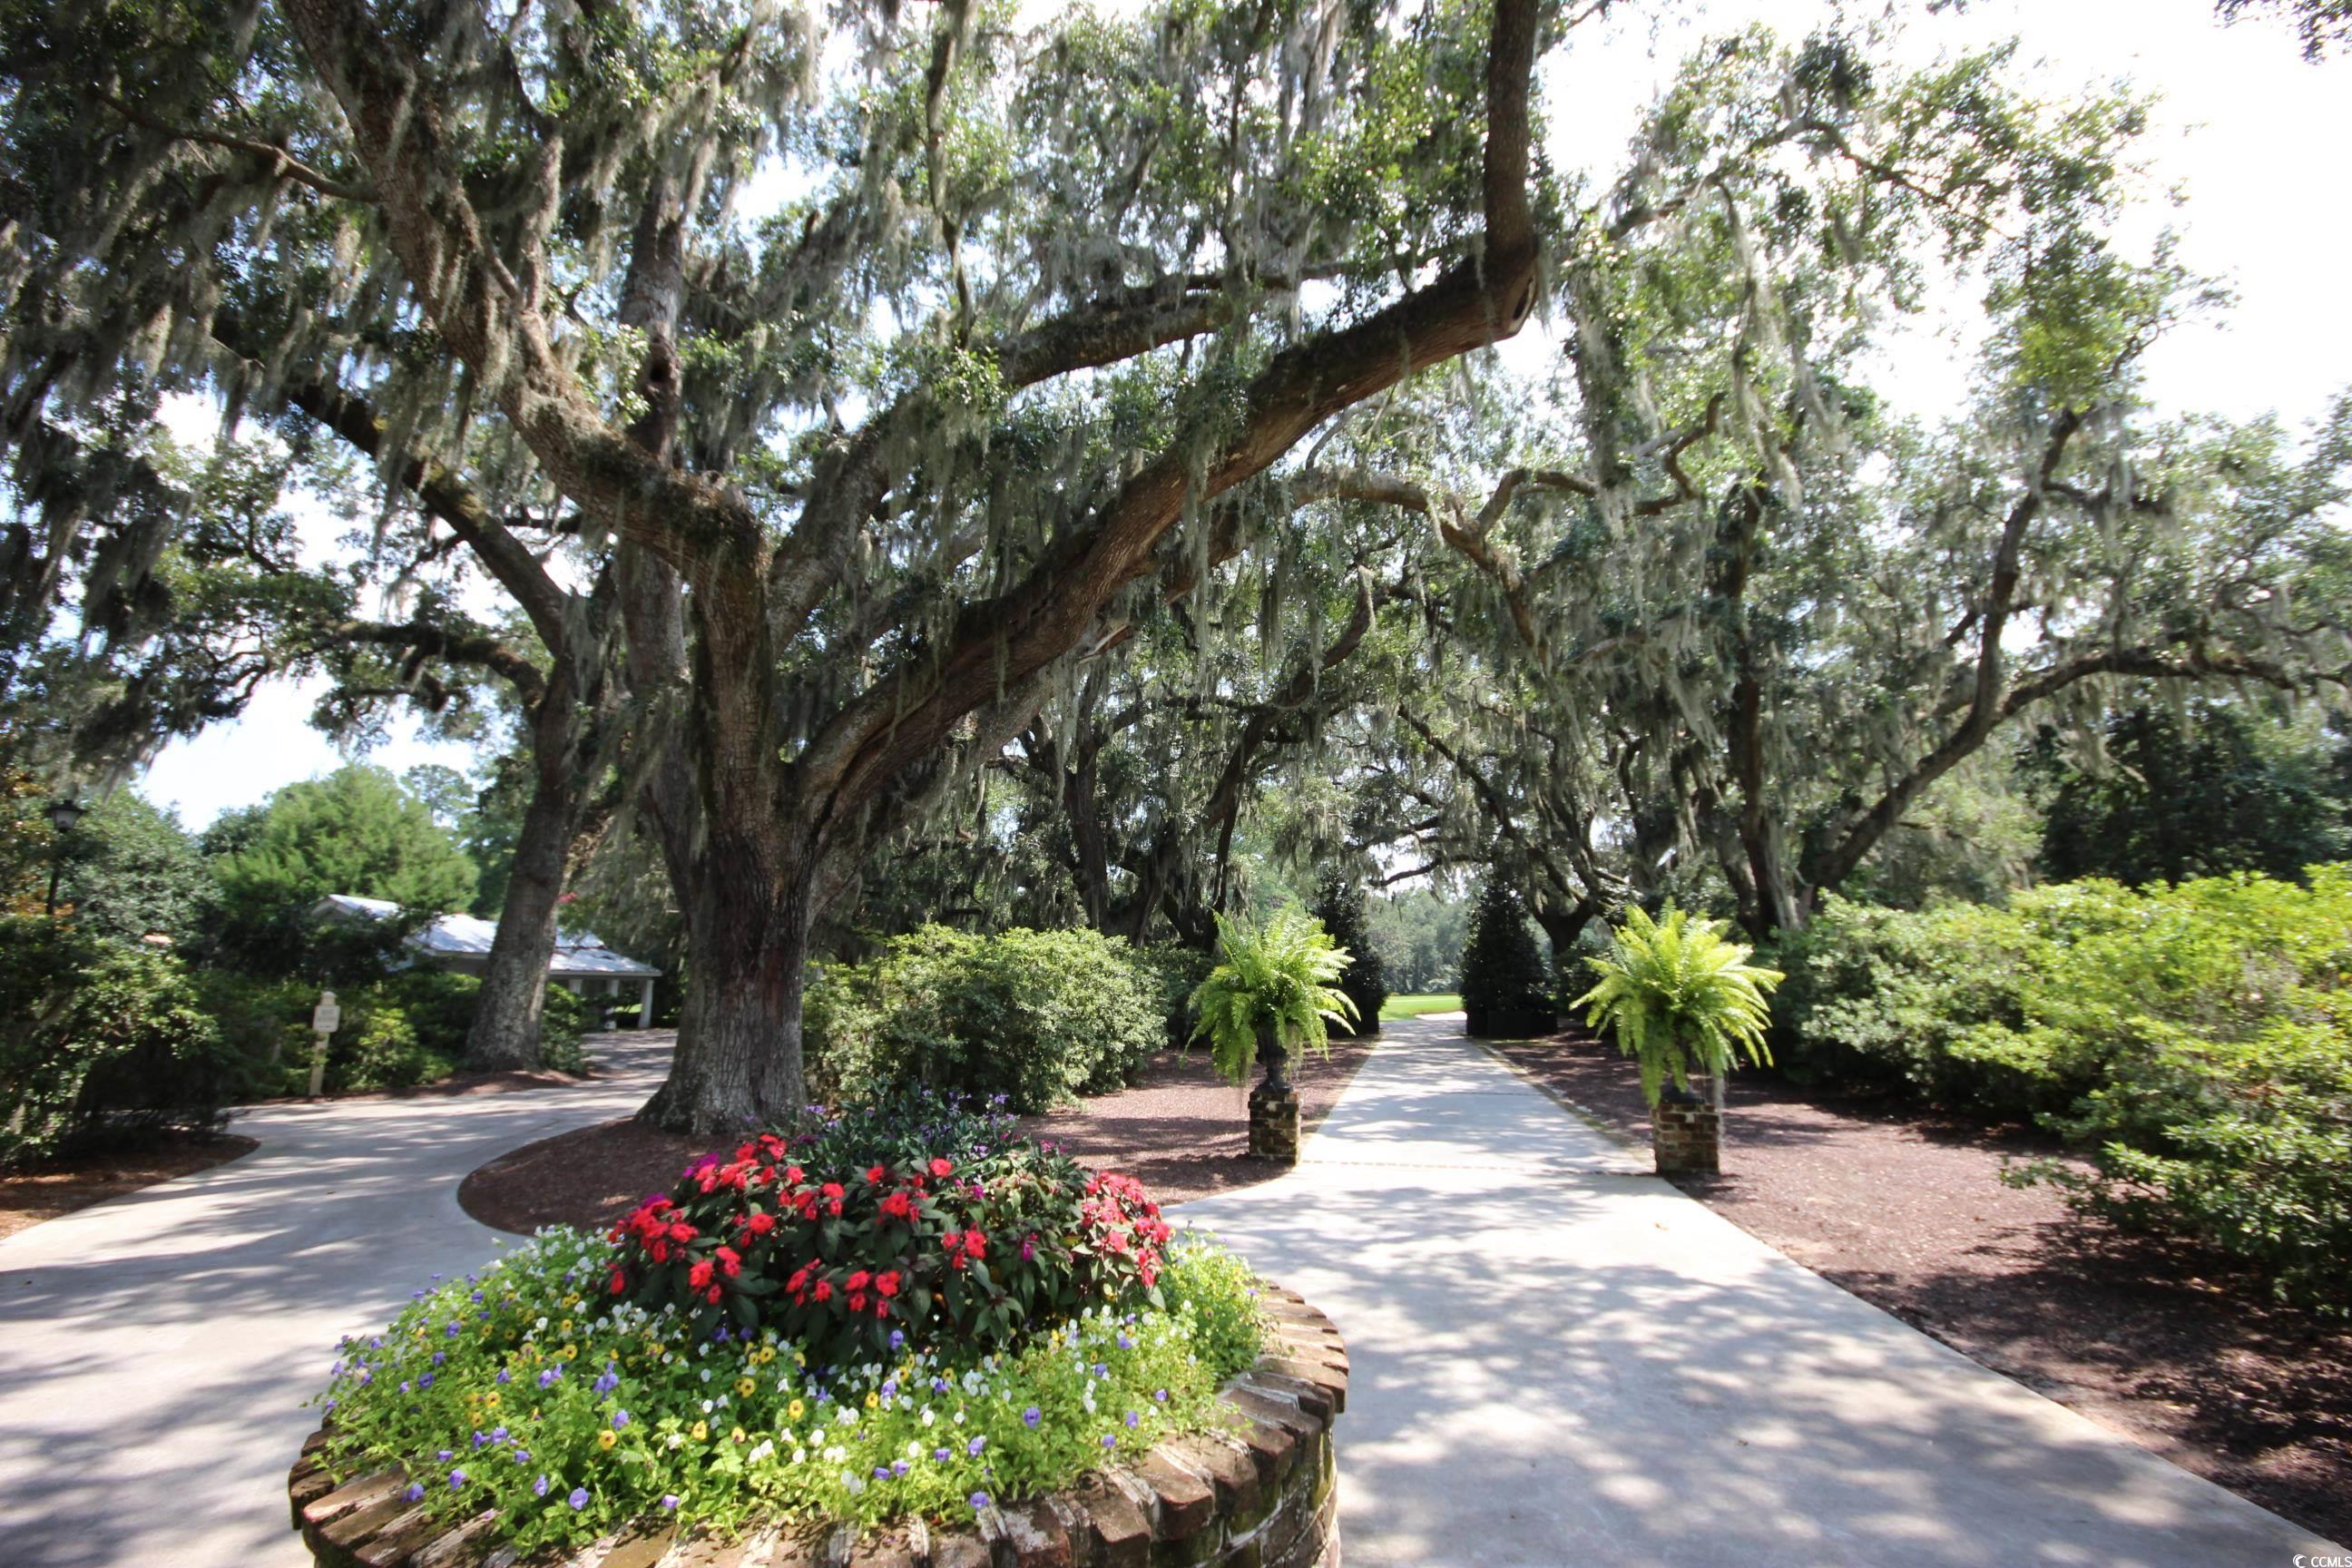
62	816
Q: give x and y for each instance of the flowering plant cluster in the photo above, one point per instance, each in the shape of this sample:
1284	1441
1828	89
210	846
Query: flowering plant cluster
523	1393
847	1240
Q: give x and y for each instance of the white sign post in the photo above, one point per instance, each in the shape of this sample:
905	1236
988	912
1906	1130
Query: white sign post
324	1018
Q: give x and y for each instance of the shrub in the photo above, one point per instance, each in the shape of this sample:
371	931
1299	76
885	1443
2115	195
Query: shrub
2196	1039
1276	982
1506	988
563	1019
971	1239
1175	971
99	1041
512	1390
1339	905
1040	1016
1679	998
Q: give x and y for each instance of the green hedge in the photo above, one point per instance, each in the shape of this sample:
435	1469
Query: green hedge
407	1030
1039	1016
2196	1040
100	1041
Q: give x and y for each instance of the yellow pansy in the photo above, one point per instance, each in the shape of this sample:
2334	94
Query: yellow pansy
567	1353
490	1400
744	1388
739	1436
700	1432
794	1409
607	1437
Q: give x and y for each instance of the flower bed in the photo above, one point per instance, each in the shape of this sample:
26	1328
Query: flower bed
965	1319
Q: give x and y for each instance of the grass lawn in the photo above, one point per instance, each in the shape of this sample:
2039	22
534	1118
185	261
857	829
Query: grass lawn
1414	1006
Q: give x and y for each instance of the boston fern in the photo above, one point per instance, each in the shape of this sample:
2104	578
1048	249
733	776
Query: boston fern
1679	997
1279	978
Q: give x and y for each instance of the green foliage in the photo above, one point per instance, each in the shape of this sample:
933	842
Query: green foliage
1042	1017
1419	937
356	831
1680	998
592	1416
100	1041
2228	791
2196	1039
131	870
1176	972
1506	986
1340	906
1275	981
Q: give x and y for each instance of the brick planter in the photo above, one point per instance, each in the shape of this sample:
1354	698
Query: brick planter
1686	1132
1264	1495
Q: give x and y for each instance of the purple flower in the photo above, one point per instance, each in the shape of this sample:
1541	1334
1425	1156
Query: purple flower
978	1500
942	1455
497	1434
546	1378
620	1419
1102	1370
539	1487
440	1356
481	1439
452	1328
1133	1420
897	1338
669	1503
609	1382
522	1456
939	1385
1109	1441
1031	1416
367	1376
505	1376
446	1455
1159	1396
425	1381
1125	1343
890	1388
456	1479
971	1449
881	1472
899	1466
578	1500
415	1492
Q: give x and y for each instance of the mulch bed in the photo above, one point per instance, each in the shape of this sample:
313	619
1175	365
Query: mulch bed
2174	1348
60	1186
1182	1131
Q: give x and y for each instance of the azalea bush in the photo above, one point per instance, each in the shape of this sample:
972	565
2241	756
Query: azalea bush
1040	1016
527	1392
2195	1041
845	1241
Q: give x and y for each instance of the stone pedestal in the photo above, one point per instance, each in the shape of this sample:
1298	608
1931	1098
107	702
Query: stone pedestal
1686	1132
1274	1125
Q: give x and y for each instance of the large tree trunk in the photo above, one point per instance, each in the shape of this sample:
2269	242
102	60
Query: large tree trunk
505	1032
747	935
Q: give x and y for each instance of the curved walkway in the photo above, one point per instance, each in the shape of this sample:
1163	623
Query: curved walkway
155	1350
1560	1360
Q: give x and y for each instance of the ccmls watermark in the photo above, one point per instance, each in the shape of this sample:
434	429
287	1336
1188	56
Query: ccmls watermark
2324	1560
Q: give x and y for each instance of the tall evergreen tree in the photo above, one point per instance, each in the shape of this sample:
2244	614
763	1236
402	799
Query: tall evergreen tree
1506	987
1339	905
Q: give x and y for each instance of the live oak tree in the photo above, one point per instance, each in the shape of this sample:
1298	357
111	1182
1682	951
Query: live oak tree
795	318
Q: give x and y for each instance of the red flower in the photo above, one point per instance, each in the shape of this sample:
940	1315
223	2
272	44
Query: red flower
888	1284
874	1175
619	1283
976	1243
899	1205
729	1262
711	1295
682	1232
859	1279
824	1291
760	1223
700	1275
942	1168
857	1303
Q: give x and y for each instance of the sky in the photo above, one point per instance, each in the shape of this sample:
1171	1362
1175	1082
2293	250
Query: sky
2251	133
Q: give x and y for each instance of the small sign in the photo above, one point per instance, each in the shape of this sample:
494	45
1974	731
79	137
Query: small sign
326	1017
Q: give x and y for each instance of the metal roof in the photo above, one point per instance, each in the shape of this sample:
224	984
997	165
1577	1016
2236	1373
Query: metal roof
467	936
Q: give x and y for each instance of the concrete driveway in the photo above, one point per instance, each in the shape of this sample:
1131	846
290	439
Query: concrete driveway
155	1350
1558	1360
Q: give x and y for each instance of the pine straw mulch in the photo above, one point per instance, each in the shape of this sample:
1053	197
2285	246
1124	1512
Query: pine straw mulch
1182	1131
2173	1348
60	1186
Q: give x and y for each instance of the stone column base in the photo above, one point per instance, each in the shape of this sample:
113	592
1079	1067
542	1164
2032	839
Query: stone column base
1274	1125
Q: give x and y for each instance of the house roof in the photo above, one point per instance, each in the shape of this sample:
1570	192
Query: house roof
467	936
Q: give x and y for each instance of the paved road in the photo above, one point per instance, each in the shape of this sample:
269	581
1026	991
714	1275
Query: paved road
155	1350
1560	1360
